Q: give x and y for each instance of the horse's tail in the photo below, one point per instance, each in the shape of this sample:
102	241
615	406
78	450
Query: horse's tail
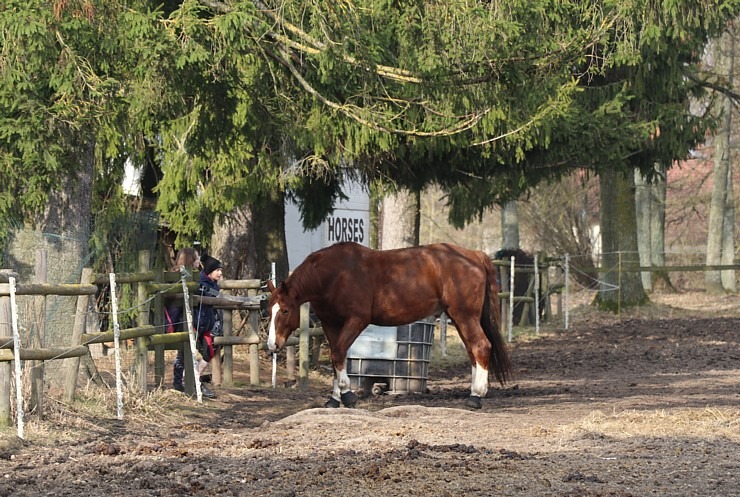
490	320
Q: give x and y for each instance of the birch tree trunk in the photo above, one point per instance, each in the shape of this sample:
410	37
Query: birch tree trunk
729	282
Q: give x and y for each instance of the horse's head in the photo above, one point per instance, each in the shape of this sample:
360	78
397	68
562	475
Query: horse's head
285	315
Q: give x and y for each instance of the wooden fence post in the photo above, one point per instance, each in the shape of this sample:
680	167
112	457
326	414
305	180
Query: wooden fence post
5	369
290	361
546	295
304	350
504	295
73	363
37	340
216	367
188	380
254	351
443	333
142	319
228	362
159	323
559	307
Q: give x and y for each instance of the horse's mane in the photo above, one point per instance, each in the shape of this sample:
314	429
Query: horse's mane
306	279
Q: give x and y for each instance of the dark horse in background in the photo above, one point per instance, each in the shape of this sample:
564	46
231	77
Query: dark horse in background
523	283
350	286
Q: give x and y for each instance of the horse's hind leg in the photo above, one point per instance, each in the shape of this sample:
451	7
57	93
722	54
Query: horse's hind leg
478	386
479	352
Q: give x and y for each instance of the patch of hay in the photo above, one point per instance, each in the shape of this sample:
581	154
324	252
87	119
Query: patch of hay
705	423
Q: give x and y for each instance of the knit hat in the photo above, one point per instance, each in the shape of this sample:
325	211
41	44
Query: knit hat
210	264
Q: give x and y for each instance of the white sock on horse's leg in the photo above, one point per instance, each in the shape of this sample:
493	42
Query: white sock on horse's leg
336	394
479	386
344	382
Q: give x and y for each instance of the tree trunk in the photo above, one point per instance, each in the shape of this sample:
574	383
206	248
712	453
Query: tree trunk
729	281
417	219
251	238
650	204
398	226
269	236
234	245
64	232
510	226
721	198
657	229
643	202
619	288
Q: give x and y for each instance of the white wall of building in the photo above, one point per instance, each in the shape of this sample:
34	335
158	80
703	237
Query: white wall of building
349	222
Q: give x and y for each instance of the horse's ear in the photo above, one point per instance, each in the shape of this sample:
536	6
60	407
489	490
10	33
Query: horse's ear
270	286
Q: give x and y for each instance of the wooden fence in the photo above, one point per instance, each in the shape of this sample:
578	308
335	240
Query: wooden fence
153	289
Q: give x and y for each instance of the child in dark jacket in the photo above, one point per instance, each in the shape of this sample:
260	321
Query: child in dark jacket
208	320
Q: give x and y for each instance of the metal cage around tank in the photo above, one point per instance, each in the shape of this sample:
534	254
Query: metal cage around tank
392	358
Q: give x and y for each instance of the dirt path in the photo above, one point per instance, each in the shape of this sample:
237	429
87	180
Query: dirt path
634	408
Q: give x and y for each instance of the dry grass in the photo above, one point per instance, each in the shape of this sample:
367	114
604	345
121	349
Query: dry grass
708	423
455	353
96	410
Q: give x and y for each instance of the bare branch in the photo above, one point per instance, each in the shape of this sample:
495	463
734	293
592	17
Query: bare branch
735	97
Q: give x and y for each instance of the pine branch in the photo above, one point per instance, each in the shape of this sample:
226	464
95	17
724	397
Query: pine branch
313	46
284	59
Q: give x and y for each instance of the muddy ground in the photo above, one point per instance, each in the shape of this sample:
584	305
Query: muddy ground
631	407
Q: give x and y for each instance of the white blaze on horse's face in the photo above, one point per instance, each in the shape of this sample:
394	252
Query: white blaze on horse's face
271	336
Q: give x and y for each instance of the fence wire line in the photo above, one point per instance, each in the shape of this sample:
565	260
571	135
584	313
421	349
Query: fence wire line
602	285
29	368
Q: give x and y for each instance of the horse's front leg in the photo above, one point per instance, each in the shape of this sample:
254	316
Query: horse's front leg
341	391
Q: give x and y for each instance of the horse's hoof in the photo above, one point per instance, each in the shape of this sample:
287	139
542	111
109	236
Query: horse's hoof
332	402
349	399
474	402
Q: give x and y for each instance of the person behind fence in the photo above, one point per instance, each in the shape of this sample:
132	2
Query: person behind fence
174	315
208	319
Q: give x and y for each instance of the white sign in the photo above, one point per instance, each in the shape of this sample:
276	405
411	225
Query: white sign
350	222
346	226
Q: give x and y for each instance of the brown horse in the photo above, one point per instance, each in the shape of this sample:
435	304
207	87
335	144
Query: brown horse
350	286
